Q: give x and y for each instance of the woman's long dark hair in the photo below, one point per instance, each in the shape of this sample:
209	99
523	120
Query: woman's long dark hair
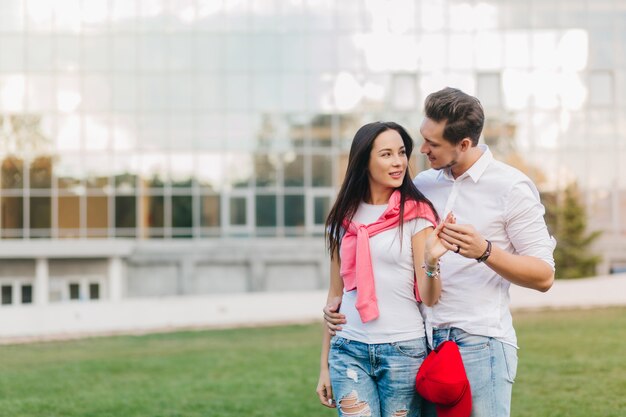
355	187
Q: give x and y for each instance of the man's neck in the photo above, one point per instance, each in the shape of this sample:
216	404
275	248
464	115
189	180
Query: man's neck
470	159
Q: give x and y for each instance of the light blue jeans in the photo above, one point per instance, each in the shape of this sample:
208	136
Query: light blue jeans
490	366
376	380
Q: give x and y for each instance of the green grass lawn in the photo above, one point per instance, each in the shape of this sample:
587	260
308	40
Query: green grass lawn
571	364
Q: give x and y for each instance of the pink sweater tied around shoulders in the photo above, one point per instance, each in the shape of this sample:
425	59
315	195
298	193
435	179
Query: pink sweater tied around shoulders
356	261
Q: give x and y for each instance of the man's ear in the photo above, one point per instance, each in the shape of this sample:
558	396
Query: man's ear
466	143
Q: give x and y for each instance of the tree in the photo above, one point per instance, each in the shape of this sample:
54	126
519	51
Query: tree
567	219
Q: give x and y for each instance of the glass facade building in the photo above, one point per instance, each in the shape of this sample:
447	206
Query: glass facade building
194	120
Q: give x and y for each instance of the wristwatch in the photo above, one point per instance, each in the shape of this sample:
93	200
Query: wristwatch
486	254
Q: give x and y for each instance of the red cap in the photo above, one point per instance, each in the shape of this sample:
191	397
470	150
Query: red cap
442	380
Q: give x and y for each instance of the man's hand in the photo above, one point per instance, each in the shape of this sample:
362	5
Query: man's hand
463	239
332	318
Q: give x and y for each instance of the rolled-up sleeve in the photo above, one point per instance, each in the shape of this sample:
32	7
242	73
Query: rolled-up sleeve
525	223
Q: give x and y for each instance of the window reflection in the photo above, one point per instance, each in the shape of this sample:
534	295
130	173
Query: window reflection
210	211
294	212
321	207
322	170
41	215
97	216
238	211
266	210
125	216
12	215
12	172
182	214
153	216
294	169
69	216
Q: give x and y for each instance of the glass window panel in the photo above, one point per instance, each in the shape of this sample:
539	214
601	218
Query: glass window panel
236	52
151	55
125	134
294	169
12	212
238	211
39	52
209	171
210	211
601	48
27	294
294	49
325	45
294	210
40	95
7	294
489	51
97	93
154	212
124	52
124	11
94	291
96	52
12	172
182	211
321	207
40	212
264	97
12	16
301	101
211	49
125	171
544	50
349	15
266	53
12	56
74	291
154	131
153	94
97	171
95	14
266	210
461	51
69	135
181	54
154	170
67	52
125	212
181	167
67	15
210	92
97	132
601	88
265	170
489	89
41	172
69	216
404	92
517	49
237	92
97	215
433	46
322	166
182	93
238	167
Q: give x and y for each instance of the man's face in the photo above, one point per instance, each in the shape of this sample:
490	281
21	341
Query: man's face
441	153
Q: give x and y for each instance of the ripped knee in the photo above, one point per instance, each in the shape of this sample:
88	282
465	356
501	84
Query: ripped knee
350	405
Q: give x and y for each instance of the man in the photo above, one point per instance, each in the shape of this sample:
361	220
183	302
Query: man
499	237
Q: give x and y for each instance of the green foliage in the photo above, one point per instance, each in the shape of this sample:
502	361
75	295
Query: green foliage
273	372
567	220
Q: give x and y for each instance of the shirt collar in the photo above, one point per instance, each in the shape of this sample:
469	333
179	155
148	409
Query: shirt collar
476	170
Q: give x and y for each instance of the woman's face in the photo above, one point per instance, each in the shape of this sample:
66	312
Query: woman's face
388	162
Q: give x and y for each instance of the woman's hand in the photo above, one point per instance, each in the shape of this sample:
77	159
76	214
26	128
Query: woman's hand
324	389
435	249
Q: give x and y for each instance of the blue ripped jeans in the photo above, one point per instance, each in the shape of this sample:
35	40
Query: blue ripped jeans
376	380
490	365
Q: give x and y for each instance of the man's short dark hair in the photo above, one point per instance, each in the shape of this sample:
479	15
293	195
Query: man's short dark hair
463	114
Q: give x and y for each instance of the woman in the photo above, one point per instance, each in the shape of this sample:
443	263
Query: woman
382	237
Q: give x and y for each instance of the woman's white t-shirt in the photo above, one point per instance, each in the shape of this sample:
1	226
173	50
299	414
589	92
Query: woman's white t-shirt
399	316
